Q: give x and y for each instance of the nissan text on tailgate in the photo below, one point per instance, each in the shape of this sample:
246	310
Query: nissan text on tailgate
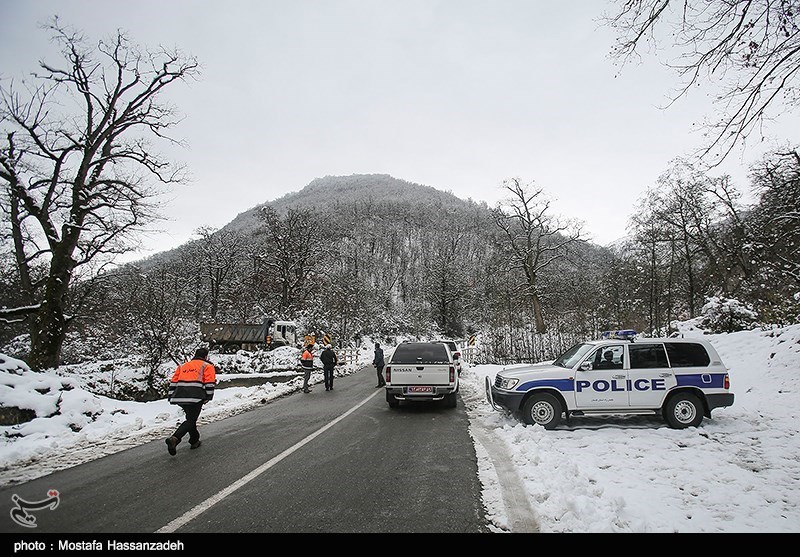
421	371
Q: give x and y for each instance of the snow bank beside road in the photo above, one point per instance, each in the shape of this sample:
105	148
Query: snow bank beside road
737	472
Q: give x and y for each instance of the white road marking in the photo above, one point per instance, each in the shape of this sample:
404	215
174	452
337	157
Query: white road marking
220	495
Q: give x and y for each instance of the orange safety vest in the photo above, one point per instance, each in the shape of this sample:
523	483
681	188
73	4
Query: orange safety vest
192	382
307	359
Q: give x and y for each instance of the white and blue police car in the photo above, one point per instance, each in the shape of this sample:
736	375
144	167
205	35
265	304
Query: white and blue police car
682	379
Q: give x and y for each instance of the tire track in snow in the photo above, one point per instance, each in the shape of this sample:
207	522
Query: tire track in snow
521	518
520	515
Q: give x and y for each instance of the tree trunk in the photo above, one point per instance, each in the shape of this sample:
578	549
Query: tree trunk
48	330
47	338
538	315
49	326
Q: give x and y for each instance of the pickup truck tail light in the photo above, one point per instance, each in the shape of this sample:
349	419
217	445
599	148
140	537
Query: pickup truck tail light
388	374
452	374
727	382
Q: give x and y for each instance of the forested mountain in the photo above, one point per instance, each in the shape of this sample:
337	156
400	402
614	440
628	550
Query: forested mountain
332	191
375	256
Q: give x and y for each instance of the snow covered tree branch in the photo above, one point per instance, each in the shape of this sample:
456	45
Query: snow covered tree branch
750	48
76	165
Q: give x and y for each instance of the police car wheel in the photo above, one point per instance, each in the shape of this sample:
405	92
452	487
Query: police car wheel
542	409
683	410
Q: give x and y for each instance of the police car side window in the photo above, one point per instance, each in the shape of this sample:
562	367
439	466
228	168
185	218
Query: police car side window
607	357
645	356
685	354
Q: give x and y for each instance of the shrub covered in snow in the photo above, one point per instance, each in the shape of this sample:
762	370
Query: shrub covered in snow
726	315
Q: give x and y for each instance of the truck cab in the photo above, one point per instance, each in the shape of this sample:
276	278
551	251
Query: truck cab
281	333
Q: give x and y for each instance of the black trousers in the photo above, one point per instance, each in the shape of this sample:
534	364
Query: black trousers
328	373
381	380
189	426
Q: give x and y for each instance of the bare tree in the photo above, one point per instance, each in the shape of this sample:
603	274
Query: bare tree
444	284
774	226
534	238
76	168
156	319
288	257
654	248
220	253
752	47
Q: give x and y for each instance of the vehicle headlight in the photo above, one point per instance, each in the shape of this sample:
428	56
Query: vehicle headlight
507	384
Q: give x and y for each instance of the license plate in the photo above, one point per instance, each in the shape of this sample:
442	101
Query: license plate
417	389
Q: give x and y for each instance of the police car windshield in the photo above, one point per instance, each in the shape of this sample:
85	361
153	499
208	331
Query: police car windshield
571	357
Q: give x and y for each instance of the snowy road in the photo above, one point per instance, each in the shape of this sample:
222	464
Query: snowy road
339	461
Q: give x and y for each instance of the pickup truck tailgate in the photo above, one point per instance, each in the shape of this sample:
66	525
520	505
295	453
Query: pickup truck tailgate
427	374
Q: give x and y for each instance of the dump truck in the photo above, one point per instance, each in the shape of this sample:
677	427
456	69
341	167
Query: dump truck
267	335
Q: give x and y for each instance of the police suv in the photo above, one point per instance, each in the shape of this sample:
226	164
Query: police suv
682	379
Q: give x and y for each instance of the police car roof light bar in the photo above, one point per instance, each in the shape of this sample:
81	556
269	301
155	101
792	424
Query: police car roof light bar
625	334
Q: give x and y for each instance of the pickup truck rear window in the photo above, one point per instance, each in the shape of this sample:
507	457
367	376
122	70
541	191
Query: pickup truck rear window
421	353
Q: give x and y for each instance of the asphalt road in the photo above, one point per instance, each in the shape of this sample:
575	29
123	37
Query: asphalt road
324	462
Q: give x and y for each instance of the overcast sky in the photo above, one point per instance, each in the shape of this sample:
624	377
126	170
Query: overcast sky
454	94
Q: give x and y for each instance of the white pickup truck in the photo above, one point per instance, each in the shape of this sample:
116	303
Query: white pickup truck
421	371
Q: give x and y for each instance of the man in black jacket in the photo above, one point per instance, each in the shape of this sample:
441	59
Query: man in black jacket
378	362
329	361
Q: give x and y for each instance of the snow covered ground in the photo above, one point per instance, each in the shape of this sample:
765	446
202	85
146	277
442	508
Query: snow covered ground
737	472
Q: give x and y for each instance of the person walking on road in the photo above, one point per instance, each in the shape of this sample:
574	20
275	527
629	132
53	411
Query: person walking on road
329	361
307	364
192	386
378	362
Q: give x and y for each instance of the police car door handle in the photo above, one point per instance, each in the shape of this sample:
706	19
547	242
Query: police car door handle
617	377
665	375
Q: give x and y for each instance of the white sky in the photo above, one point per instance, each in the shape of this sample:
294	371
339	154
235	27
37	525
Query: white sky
454	94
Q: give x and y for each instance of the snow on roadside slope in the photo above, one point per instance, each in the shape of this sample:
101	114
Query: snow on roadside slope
73	425
737	472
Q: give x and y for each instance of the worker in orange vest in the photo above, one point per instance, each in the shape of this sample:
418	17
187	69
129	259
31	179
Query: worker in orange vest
191	387
307	365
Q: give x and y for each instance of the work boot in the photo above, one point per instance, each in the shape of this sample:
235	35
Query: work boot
172	442
195	445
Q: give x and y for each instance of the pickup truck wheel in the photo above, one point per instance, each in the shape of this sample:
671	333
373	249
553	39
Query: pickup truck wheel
683	410
450	401
543	409
392	400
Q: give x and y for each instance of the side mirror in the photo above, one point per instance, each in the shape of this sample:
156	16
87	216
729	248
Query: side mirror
586	366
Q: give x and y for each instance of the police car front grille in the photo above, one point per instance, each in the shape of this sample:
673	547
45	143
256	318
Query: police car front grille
498	380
